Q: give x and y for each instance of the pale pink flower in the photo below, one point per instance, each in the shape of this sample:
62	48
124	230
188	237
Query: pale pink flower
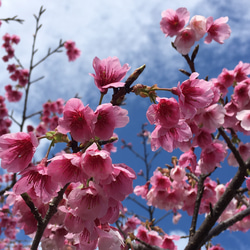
110	240
211	117
17	150
244	118
193	94
168	138
154	238
202	138
166	113
131	224
109	73
226	77
217	30
160	181
241	71
198	24
78	120
142	190
142	234
178	174
65	168
109	117
96	163
176	218
184	40
173	21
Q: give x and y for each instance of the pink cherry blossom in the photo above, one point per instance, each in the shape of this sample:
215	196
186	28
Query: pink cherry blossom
168	242
241	95
142	190
188	159
110	240
211	117
244	150
217	30
241	71
166	113
89	202
109	73
66	168
212	156
78	120
17	150
168	138
184	40
131	224
96	163
36	177
13	95
109	117
122	182
173	21
72	52
193	94
198	24
244	117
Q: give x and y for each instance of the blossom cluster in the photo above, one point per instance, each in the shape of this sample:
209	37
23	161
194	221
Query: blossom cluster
173	24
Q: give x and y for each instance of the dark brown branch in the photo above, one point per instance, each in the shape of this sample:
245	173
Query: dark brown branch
226	224
197	204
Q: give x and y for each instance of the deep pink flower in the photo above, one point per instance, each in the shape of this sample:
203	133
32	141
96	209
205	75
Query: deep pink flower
72	52
173	21
212	156
17	150
36	177
166	113
168	138
66	168
241	95
193	94
96	163
13	95
122	182
185	40
168	242
78	120
217	30
109	117
108	73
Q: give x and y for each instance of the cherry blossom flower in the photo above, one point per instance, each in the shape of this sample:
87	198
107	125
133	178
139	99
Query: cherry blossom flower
244	117
36	177
173	21
109	117
217	30
168	138
168	242
193	94
78	120
198	24
109	73
122	182
241	71
72	52
12	95
89	202
166	113
66	168
17	150
185	40
96	163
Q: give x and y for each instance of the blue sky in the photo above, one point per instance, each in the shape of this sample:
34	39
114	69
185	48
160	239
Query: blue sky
129	30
